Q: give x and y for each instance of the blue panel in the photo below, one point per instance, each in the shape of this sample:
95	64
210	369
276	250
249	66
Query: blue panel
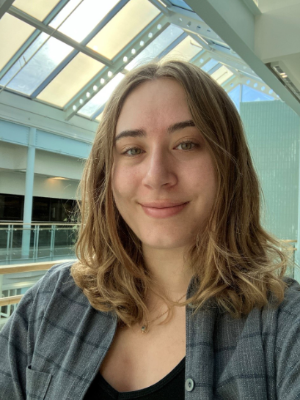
209	65
62	145
250	94
14	133
235	96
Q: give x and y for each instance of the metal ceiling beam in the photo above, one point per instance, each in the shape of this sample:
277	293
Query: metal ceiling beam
58	35
259	86
160	6
147	36
4	6
202	42
84	42
236	25
32	38
231	83
202	58
191	22
219	49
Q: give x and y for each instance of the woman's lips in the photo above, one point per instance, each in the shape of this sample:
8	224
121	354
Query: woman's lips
163	212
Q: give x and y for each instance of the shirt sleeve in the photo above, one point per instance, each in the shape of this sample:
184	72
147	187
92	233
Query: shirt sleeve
16	344
288	347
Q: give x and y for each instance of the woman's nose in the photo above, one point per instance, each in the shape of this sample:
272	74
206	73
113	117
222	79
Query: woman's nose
159	170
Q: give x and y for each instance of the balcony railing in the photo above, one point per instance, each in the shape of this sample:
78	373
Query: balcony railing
16	279
34	242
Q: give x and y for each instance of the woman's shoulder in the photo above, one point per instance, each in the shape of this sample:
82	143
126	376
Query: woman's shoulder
57	278
289	308
283	320
56	287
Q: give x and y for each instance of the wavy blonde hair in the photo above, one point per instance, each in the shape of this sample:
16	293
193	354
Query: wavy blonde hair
236	263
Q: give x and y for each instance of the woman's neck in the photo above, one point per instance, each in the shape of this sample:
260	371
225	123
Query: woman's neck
169	270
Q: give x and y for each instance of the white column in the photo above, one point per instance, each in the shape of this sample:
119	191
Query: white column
28	193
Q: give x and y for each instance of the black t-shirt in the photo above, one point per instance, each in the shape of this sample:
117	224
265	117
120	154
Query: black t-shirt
171	387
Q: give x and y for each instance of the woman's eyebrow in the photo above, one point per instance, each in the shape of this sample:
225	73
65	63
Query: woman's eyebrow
142	132
180	125
131	133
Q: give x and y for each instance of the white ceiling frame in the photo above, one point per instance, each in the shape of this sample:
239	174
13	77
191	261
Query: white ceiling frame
201	59
259	86
231	83
187	21
118	65
15	12
191	22
237	27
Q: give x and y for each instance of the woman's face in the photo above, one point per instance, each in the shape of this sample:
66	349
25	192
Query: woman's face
163	177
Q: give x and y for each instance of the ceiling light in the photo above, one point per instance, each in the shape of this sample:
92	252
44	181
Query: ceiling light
95	88
277	68
133	51
125	59
102	81
81	101
74	108
109	74
142	43
88	95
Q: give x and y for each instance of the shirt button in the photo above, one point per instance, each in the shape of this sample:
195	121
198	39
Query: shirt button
189	384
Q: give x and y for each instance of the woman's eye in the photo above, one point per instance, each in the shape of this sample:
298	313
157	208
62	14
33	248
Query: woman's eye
134	151
187	146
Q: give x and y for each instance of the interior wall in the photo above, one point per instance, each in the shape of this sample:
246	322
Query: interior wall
14	157
267	5
13	182
273	132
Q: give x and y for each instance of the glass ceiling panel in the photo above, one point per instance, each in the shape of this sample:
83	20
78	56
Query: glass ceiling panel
70	80
84	19
39	67
249	94
209	65
39	9
156	47
39	41
185	50
101	98
13	33
129	21
235	95
221	75
64	13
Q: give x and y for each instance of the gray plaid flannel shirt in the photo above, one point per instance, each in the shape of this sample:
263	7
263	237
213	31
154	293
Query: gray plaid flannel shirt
53	345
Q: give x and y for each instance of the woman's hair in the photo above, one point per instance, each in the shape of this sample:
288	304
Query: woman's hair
236	263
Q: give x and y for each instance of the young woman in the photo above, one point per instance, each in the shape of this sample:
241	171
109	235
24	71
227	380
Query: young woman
178	292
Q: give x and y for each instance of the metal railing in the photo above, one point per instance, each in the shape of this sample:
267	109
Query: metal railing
21	242
11	291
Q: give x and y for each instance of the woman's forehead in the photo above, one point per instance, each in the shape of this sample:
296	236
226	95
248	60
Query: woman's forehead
157	100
